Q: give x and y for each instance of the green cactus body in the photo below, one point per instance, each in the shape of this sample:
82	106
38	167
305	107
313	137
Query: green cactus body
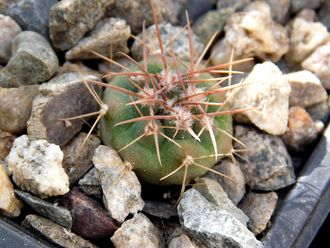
142	154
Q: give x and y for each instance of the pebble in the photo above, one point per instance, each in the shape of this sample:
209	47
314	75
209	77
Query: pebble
234	187
46	209
212	226
69	20
77	67
304	38
259	207
319	111
308	15
195	9
6	142
136	232
62	97
267	92
33	61
237	5
8	31
36	167
10	205
266	165
56	233
120	186
16	107
297	5
29	14
167	31
306	89
279	10
323	14
78	156
318	63
214	193
251	33
159	209
90	219
301	131
90	183
183	241
108	38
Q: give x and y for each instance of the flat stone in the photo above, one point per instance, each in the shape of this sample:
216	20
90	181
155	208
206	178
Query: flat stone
69	20
306	89
267	164
297	5
279	10
16	107
302	130
167	31
319	111
29	14
212	226
267	92
78	156
55	233
318	63
33	61
10	205
120	186
108	38
259	207
234	187
62	97
46	209
36	167
304	38
90	219
214	193
8	31
159	209
183	241
136	232
90	183
6	142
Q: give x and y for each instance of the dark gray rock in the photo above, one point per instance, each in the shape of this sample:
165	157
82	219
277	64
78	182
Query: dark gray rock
159	209
211	226
62	97
55	233
29	14
259	207
319	111
90	183
6	142
279	10
267	164
324	16
297	5
46	209
196	9
33	61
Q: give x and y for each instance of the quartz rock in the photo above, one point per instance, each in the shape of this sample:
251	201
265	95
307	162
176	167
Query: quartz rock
108	38
8	31
62	97
90	183
136	232
267	164
33	61
306	89
36	167
304	38
10	205
212	226
120	186
267	91
16	107
259	207
6	142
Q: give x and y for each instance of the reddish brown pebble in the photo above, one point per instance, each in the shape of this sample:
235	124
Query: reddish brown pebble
6	142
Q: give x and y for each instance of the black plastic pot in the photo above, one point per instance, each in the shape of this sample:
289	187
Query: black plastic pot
296	221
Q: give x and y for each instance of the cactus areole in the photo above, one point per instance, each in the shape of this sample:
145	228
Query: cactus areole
167	119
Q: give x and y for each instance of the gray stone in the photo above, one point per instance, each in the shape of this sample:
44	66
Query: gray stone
234	187
62	97
324	16
78	156
259	207
69	20
266	164
108	38
159	209
33	61
319	111
120	186
212	226
77	67
136	232
8	31
36	167
46	209
237	5
308	15
55	233
183	241
29	14
16	107
6	142
214	193
297	5
167	31
90	183
279	10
